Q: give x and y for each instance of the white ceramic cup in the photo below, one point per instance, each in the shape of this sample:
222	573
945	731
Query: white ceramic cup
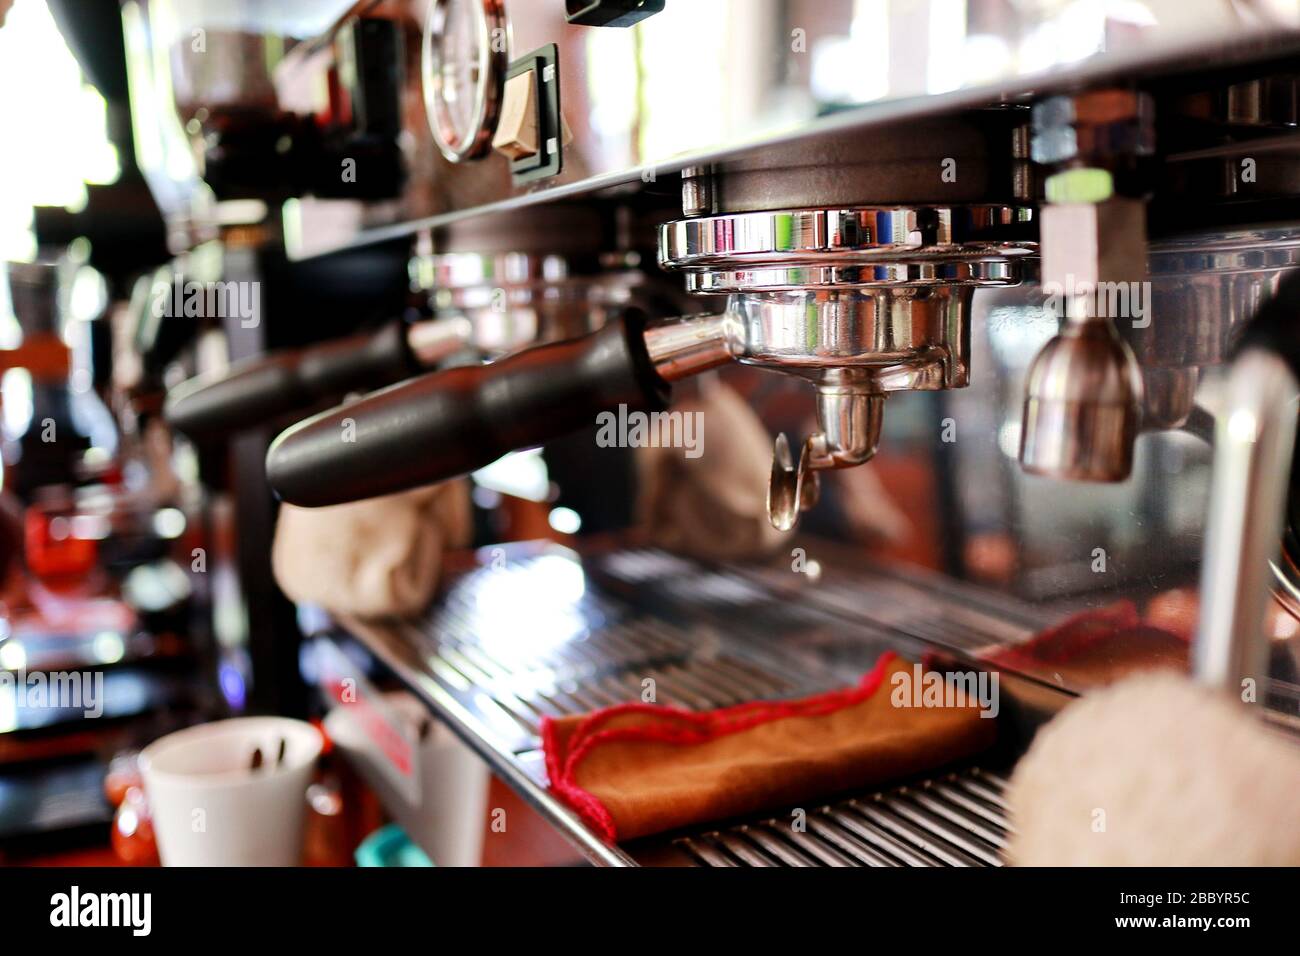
210	809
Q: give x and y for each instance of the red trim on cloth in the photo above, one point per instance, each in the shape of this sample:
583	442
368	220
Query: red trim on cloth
694	727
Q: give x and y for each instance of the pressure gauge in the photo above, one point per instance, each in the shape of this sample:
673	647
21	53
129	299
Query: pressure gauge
466	55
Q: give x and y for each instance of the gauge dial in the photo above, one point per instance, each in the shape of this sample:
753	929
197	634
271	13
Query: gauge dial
466	54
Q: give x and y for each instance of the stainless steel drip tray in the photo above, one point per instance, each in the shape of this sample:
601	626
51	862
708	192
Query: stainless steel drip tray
952	819
538	630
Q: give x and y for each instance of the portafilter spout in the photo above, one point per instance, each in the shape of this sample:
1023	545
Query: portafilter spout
850	415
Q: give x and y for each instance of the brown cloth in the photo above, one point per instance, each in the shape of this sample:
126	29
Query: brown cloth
638	769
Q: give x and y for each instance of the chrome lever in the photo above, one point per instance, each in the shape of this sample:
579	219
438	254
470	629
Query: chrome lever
849	414
791	490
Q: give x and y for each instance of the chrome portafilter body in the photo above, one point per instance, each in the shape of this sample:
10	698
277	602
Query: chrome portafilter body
541	274
860	301
512	300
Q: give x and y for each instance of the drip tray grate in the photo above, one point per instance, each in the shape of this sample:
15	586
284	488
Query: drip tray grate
954	820
550	634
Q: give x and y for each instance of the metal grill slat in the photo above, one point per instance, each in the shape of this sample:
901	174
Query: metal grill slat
744	674
984	792
617	647
741	849
775	846
524	714
876	811
667	697
957	836
631	684
860	852
458	660
553	703
594	688
488	665
995	780
933	822
447	673
710	695
703	853
878	837
706	682
961	812
820	849
580	694
616	691
679	686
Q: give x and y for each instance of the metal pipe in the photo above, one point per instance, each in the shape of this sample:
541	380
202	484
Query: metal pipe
687	347
1254	440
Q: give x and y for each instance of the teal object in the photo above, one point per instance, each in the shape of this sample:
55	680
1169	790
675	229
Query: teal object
390	846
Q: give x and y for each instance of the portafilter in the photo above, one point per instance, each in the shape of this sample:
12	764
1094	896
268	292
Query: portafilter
861	301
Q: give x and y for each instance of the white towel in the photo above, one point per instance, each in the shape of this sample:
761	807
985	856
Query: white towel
1156	771
376	558
713	506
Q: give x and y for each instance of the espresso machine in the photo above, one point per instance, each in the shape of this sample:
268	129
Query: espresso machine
1030	264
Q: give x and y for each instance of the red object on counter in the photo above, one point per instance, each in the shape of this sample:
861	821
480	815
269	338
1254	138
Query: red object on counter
1095	647
52	552
133	838
123	774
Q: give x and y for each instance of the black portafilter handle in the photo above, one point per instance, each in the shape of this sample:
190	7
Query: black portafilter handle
259	390
455	421
1275	327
